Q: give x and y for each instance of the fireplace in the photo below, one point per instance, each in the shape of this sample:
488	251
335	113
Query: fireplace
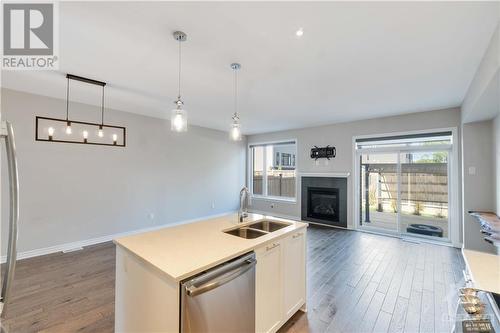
323	203
324	200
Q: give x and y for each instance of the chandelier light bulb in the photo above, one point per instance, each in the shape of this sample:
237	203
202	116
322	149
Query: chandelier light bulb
115	138
51	132
100	133
68	128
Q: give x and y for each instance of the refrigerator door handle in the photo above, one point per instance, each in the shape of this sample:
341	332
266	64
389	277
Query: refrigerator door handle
7	132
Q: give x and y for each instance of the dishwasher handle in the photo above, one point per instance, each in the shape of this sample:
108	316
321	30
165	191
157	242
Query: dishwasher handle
229	276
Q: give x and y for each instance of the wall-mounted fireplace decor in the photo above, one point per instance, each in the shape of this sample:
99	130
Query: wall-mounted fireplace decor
72	131
323	152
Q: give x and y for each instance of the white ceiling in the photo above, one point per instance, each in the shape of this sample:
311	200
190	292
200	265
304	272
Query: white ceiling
355	60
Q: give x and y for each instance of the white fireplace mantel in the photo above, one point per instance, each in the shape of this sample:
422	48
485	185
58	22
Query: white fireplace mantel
325	174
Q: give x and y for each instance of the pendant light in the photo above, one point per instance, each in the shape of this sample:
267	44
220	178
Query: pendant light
100	132
68	123
235	131
68	130
178	119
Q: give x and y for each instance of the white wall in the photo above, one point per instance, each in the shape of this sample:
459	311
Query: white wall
340	136
72	192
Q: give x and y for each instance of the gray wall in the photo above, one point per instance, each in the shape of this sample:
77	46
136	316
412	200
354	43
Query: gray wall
479	188
72	192
481	144
496	154
340	136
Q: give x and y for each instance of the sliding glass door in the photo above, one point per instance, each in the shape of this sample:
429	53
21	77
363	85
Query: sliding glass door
379	191
424	193
403	185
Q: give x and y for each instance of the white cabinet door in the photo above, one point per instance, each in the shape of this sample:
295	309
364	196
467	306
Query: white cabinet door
294	273
268	287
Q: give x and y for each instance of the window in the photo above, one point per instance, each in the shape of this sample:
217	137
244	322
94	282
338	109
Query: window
273	170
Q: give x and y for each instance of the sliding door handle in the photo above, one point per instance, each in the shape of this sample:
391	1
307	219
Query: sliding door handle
7	132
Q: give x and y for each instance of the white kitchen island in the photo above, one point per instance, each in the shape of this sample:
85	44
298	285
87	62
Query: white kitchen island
151	266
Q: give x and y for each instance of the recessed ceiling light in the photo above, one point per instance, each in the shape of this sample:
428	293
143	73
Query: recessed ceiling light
299	32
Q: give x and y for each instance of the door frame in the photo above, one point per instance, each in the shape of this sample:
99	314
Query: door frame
454	216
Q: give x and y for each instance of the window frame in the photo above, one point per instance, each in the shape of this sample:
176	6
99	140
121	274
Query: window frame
264	195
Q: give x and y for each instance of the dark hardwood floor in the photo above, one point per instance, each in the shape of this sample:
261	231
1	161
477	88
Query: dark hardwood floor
356	282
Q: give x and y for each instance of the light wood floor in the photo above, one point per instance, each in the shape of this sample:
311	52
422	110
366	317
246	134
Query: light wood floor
357	282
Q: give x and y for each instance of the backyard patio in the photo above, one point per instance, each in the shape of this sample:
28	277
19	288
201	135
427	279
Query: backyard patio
387	221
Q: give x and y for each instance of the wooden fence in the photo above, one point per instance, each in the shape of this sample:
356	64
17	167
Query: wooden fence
279	186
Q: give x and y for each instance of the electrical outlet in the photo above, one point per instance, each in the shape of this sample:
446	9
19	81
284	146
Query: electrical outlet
151	216
472	171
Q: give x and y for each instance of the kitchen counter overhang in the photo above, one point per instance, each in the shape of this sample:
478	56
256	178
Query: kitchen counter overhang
186	250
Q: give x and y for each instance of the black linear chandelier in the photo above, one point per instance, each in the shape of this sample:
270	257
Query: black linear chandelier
72	131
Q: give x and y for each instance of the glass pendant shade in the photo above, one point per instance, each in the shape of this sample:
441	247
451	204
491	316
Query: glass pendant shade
235	132
178	120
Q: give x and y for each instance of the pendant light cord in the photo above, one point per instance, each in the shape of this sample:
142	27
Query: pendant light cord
67	100
102	107
179	93
236	92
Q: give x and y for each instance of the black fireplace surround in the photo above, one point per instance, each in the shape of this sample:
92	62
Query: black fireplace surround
324	200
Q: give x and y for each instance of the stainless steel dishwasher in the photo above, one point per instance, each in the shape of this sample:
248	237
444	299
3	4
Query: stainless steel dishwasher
221	299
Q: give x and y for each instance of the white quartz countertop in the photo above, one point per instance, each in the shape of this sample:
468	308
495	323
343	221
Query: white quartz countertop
185	250
484	269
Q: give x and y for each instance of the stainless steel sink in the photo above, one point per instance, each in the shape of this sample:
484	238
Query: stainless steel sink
247	233
268	226
257	229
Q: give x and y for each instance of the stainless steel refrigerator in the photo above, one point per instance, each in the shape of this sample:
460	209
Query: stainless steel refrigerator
7	276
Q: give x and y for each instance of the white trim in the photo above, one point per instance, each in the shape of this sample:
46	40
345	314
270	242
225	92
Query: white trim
325	174
264	179
272	142
79	244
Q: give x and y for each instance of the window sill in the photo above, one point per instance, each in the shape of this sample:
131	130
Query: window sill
274	199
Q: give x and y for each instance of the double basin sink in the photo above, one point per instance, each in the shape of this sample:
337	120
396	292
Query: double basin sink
257	229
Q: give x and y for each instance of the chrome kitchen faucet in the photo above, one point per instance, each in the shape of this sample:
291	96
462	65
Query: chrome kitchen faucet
243	211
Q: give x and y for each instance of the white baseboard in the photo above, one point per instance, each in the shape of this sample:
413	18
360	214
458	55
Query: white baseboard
102	239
